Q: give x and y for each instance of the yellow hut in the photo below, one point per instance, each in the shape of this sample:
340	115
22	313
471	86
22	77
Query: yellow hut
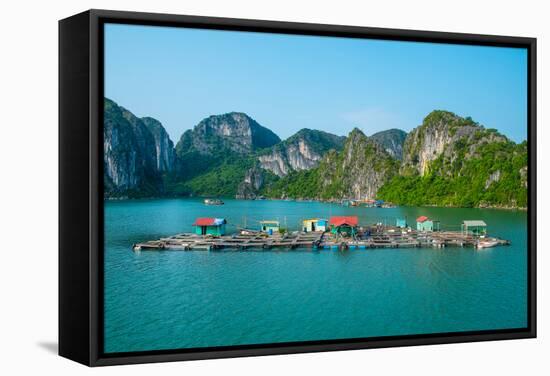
314	225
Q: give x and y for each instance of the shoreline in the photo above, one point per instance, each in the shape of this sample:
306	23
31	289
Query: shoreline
336	202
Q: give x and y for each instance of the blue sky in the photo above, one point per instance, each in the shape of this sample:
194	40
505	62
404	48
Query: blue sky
288	82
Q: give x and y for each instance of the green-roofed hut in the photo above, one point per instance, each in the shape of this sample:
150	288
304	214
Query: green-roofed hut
474	227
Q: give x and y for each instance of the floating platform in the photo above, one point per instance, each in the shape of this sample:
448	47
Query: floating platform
371	237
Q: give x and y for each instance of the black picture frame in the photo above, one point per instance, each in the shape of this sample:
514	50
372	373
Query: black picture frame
81	193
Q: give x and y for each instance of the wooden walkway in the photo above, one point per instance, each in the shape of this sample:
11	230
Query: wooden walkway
254	241
373	237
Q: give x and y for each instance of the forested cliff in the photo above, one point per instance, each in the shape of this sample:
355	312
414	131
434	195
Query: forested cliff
447	160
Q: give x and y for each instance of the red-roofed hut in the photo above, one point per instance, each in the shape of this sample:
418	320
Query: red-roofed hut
210	226
424	223
344	225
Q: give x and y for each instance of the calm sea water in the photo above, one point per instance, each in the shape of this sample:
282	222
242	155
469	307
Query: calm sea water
176	299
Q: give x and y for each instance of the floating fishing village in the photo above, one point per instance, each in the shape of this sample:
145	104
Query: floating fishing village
337	232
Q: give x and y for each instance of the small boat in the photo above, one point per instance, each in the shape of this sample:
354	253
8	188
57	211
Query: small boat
486	244
213	201
247	231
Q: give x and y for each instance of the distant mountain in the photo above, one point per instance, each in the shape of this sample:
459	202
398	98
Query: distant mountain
136	153
444	134
233	132
392	141
454	161
357	171
212	158
302	151
446	161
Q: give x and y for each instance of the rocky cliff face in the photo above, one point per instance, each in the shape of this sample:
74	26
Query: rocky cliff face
250	186
454	161
360	169
292	157
443	134
302	151
164	147
235	132
219	140
131	160
355	172
392	141
446	161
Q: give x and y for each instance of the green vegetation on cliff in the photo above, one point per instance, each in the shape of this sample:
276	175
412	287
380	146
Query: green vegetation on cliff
220	179
447	161
468	186
297	184
451	161
356	171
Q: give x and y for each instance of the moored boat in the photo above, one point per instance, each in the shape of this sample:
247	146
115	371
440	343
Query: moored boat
213	201
486	244
247	231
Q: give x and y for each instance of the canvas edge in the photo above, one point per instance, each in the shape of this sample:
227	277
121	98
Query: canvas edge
73	252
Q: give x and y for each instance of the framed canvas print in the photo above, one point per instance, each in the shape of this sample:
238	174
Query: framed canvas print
236	187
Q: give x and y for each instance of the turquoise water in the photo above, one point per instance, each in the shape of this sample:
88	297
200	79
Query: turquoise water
175	299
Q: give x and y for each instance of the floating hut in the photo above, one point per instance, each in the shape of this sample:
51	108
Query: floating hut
401	222
269	227
424	223
209	235
314	225
474	227
210	226
344	225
